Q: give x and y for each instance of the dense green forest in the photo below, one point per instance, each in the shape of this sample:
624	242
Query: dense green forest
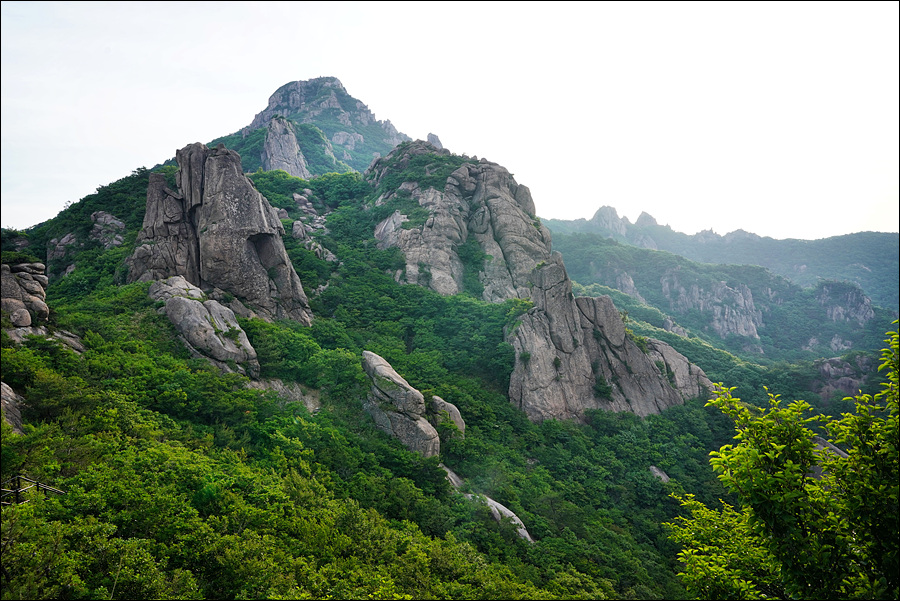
181	482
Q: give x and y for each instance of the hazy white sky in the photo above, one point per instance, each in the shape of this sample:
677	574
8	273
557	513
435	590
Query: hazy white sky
778	118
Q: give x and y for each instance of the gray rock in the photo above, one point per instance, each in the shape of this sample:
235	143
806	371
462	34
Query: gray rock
347	140
207	328
731	310
441	409
498	511
22	293
397	408
281	150
435	141
57	248
479	200
570	352
108	229
12	407
217	231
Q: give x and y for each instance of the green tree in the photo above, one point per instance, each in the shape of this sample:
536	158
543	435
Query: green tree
829	520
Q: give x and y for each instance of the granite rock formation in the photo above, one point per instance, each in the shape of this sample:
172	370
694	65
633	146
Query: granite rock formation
23	293
479	201
12	407
572	354
108	229
399	410
218	232
206	328
281	150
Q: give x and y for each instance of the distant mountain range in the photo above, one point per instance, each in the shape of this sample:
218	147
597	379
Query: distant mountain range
869	259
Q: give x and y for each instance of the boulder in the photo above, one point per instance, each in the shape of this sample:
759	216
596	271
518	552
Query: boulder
397	408
217	231
207	328
441	409
22	293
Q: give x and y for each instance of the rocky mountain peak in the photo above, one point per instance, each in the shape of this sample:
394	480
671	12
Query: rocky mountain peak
351	131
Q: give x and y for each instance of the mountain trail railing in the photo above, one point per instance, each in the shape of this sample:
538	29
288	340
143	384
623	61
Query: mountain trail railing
14	494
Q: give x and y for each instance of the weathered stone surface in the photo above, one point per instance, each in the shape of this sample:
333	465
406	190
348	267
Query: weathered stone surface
435	141
281	150
686	378
22	293
12	407
108	229
206	327
731	310
439	407
19	334
57	248
397	408
570	351
217	231
480	200
845	302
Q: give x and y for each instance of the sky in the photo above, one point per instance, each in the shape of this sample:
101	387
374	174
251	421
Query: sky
778	118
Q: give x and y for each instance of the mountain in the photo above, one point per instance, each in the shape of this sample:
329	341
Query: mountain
374	381
311	128
869	259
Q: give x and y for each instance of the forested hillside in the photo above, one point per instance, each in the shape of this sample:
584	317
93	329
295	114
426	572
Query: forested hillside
868	259
203	442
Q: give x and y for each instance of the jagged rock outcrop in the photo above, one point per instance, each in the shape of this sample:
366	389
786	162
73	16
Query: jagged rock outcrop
281	150
845	302
206	328
479	200
218	232
57	248
573	354
108	229
434	141
731	310
399	410
23	293
12	407
840	377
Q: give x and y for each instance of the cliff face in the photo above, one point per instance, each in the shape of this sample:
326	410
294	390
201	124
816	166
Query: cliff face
572	354
480	202
575	354
220	234
281	150
731	311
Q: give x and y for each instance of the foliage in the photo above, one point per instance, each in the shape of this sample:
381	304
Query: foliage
833	535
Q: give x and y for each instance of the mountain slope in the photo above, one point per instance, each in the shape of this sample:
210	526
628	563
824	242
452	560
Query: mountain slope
869	259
